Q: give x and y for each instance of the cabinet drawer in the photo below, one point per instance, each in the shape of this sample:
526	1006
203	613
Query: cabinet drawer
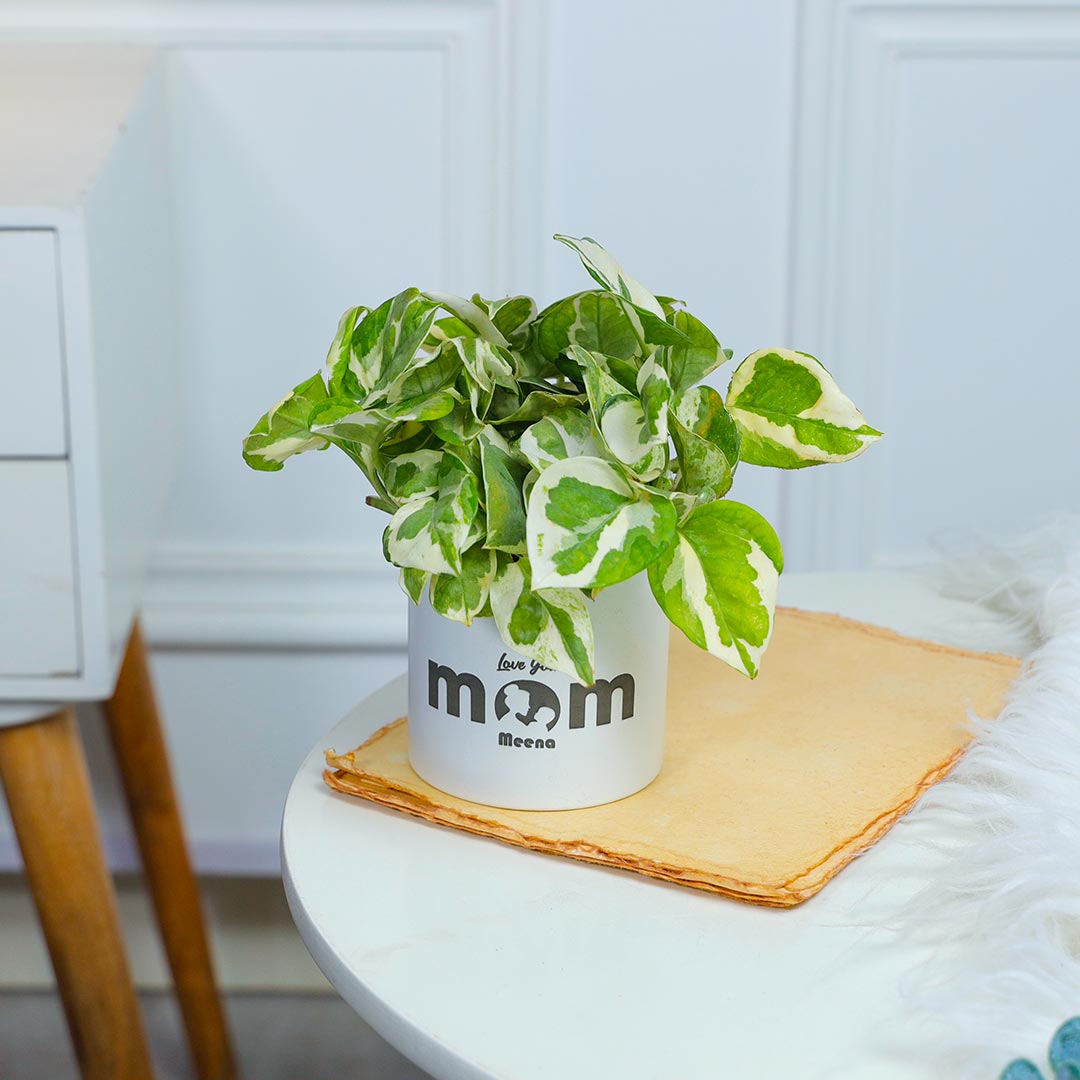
38	602
31	358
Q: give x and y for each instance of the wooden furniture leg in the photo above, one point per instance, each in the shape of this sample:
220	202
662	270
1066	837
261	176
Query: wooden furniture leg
135	730
48	792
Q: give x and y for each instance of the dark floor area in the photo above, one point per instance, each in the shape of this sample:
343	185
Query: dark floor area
277	1036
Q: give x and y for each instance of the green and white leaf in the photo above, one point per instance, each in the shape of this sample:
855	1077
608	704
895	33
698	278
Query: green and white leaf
638	441
406	437
510	315
463	596
485	366
426	375
717	582
792	414
286	429
459	426
589	527
671	304
566	433
409	540
540	403
472	315
551	626
425	407
601	322
340	351
413	582
454	515
342	419
385	342
654	391
706	443
688	362
598	321
504	503
413	476
609	274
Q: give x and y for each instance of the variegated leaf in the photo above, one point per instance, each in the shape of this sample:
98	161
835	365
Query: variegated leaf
706	442
503	501
423	408
286	429
340	352
486	364
459	426
454	516
472	315
589	527
654	391
688	362
717	582
405	438
670	305
537	404
621	419
563	434
485	367
609	274
426	375
413	476
551	626
449	326
409	540
342	419
792	414
603	323
598	321
413	582
386	341
463	596
511	316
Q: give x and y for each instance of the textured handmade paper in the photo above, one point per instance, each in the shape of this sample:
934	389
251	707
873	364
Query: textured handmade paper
769	788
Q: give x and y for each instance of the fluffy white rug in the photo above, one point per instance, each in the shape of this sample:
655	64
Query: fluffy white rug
1003	912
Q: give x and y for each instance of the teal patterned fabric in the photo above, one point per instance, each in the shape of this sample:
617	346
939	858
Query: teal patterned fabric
1064	1057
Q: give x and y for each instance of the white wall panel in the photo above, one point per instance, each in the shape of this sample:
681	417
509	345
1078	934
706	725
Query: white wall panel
671	144
981	300
935	229
308	180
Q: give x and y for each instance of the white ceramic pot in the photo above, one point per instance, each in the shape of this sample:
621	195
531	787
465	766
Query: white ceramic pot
492	727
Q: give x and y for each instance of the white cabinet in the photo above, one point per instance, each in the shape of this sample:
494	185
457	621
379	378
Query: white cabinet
31	365
87	333
38	596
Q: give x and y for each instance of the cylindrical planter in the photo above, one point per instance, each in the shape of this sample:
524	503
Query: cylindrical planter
490	726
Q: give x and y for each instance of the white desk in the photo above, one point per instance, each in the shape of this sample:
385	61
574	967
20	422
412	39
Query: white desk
480	961
88	374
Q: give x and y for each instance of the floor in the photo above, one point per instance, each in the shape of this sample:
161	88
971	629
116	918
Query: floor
277	1037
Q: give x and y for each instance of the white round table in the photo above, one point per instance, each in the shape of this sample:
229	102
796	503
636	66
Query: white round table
480	961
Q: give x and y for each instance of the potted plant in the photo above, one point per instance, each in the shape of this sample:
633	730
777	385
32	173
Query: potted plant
548	476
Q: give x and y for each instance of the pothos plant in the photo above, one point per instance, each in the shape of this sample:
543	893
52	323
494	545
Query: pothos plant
530	459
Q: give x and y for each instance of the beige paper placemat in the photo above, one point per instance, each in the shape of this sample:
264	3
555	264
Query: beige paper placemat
769	788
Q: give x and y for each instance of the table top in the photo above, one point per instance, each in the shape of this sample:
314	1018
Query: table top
479	961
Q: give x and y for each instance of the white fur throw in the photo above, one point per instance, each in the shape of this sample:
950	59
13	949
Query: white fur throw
1003	910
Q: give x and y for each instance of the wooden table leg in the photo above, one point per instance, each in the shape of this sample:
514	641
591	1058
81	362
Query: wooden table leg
48	792
135	729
